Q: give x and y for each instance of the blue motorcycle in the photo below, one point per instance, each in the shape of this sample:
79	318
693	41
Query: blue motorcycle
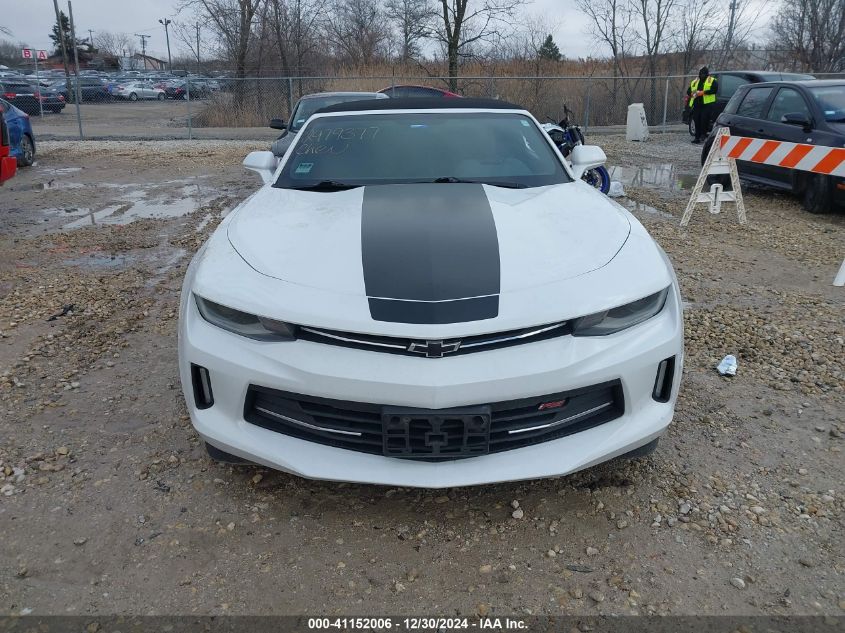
566	135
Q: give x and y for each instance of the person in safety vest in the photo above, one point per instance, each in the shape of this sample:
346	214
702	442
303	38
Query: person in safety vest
701	96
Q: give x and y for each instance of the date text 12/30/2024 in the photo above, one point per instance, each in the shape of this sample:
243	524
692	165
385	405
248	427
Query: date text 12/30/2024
416	624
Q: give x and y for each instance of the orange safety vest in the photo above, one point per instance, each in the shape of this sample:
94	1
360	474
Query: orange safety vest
693	88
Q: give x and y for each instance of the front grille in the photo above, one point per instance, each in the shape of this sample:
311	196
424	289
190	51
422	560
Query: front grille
433	349
434	434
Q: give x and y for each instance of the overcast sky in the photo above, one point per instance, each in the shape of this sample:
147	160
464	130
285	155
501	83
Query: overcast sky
31	21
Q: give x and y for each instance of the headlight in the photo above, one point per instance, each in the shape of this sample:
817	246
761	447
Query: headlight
243	323
610	321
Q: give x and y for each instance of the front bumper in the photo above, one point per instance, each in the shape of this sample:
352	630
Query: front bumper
532	369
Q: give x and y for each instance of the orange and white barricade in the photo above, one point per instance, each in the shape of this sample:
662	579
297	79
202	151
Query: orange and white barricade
814	158
727	149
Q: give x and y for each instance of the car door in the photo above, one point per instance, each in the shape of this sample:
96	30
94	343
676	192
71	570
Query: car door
729	83
13	124
787	100
748	120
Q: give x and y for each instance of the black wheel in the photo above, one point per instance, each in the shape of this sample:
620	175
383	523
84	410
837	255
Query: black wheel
56	110
817	195
705	151
160	96
133	97
222	456
27	156
691	126
642	451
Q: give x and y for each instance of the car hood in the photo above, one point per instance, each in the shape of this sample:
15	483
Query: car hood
427	248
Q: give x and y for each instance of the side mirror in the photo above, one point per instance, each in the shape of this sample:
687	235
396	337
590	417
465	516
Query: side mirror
278	124
797	118
584	157
263	163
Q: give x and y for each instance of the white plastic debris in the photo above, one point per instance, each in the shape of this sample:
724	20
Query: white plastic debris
839	280
616	189
728	366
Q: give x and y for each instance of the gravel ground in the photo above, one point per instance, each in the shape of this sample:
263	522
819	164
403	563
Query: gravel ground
108	503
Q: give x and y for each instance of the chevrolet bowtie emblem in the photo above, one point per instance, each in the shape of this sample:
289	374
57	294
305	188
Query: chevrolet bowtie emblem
435	349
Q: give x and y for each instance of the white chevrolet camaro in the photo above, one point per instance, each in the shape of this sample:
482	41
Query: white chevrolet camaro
424	293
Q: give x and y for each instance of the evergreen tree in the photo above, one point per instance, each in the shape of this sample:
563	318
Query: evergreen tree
57	38
549	50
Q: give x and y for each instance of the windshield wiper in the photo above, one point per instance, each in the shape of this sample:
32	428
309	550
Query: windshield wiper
326	185
505	184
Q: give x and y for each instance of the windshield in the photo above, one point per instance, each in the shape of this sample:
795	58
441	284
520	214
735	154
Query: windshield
831	100
501	148
306	107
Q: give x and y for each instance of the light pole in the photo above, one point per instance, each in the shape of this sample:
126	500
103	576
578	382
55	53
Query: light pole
166	23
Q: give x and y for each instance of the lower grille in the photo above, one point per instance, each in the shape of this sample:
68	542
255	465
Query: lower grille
434	434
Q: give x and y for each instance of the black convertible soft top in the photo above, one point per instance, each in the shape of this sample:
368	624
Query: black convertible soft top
420	103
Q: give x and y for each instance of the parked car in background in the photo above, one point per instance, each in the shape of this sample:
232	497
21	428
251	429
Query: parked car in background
307	106
181	90
8	165
810	112
21	137
21	93
138	90
52	97
90	89
417	91
730	82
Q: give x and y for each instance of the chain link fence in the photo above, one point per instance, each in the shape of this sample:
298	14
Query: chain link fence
241	109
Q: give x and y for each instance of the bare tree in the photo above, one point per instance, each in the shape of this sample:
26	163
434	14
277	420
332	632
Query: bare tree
413	21
812	32
116	44
465	24
611	23
531	46
191	36
295	26
696	29
358	30
654	17
10	52
232	21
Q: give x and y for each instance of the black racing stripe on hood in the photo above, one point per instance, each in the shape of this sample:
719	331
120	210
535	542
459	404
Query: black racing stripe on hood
432	243
435	312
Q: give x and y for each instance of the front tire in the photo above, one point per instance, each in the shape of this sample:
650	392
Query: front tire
598	178
691	126
27	156
817	196
160	96
133	97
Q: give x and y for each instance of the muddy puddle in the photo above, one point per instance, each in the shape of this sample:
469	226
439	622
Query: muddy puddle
99	260
640	209
131	202
658	175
